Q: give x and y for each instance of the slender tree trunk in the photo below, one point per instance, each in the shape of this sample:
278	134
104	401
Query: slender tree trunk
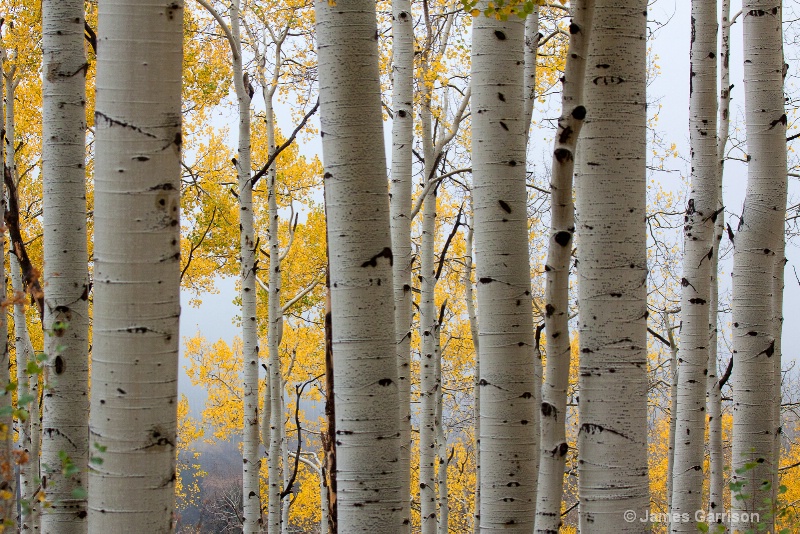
66	313
532	37
133	415
251	461
473	328
441	441
698	239
554	445
758	244
427	328
716	476
359	241
27	388
275	327
673	409
28	463
400	206
612	273
329	435
8	509
509	403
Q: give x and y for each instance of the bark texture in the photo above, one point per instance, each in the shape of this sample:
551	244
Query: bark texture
508	380
133	413
698	252
757	245
400	206
359	243
554	445
65	413
612	273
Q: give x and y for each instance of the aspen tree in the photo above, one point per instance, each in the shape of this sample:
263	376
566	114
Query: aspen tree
612	272
359	241
66	277
698	237
758	244
28	463
7	498
716	475
473	329
554	445
532	37
400	205
247	250
509	404
133	415
27	400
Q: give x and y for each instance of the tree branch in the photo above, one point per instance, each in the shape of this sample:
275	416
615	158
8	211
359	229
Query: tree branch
659	337
91	36
30	275
447	243
726	375
225	28
283	146
199	244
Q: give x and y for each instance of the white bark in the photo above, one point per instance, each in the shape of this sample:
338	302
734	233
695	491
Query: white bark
553	444
758	242
698	238
716	475
275	317
8	511
28	469
27	386
509	404
532	37
66	277
442	526
612	273
133	415
427	330
251	461
473	328
400	204
673	408
365	365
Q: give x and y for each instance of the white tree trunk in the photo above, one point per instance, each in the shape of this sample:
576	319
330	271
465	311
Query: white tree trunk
251	461
28	469
716	475
27	386
8	510
532	37
553	444
698	239
673	409
365	364
473	328
66	277
612	273
757	244
133	415
400	206
276	416
509	403
441	443
427	330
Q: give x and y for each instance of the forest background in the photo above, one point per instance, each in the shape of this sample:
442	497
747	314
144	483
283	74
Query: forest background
210	487
214	314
